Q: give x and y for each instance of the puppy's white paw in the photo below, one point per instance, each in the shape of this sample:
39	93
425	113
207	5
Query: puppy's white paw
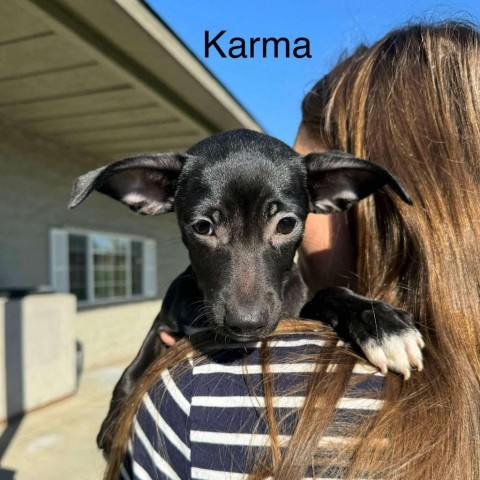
397	352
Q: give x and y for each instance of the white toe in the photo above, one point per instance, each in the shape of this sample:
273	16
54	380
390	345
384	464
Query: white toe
398	353
375	355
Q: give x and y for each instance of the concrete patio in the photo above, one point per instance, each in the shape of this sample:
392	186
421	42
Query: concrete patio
57	442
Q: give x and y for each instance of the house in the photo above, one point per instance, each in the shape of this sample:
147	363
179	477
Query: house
83	83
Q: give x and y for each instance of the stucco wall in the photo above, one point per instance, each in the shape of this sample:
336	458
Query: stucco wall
115	333
35	181
37	361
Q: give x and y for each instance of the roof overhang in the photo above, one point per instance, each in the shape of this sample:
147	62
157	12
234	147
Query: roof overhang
108	77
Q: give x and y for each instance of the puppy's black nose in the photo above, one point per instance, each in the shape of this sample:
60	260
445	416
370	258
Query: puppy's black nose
246	322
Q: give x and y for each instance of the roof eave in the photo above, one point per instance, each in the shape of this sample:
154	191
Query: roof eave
134	29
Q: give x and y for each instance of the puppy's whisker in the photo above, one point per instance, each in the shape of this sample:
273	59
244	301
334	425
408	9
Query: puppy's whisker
169	242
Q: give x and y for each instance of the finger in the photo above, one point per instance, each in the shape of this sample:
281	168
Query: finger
168	339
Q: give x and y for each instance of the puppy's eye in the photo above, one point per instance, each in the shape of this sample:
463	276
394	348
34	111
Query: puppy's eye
203	227
286	225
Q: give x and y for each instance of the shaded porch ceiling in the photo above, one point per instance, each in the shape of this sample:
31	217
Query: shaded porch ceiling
108	78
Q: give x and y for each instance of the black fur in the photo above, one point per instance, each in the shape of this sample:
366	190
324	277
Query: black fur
357	318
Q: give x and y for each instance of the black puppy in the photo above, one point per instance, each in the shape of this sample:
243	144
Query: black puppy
242	199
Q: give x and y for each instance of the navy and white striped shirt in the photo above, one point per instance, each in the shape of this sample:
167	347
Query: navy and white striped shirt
206	421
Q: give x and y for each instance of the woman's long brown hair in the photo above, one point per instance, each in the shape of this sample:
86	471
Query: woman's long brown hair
410	103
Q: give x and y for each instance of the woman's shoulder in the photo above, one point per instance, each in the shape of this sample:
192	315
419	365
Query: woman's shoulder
241	368
208	408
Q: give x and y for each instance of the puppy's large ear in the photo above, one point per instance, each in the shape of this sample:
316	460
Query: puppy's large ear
337	180
145	183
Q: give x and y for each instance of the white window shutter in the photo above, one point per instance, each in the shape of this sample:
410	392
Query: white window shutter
59	263
150	268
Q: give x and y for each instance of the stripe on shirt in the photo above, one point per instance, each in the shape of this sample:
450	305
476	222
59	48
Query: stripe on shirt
161	464
175	392
255	369
205	474
139	472
258	439
123	473
210	368
281	402
165	428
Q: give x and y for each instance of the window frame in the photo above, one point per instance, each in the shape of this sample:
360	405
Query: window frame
90	266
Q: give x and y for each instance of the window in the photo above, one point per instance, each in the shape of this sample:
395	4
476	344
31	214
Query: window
110	259
100	267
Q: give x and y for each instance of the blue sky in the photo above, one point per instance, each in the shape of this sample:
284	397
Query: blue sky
272	89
